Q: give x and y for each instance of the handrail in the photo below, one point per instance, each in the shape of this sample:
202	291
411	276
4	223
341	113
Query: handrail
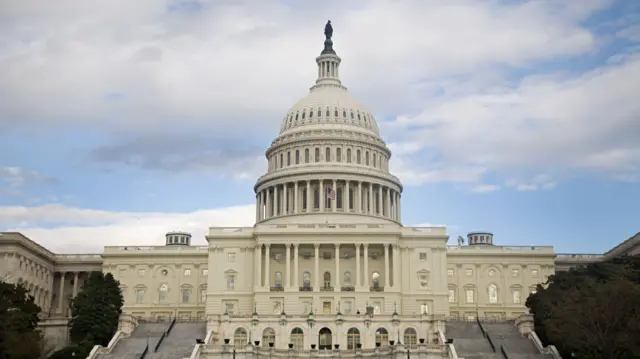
504	353
173	322
144	352
159	342
485	334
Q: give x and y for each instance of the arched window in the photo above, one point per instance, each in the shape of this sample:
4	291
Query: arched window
306	155
327	154
289	158
310	114
268	336
366	158
348	155
353	338
327	280
297	339
374	160
317	155
278	280
382	337
240	338
358	157
338	155
163	292
281	160
411	338
492	292
375	279
297	157
303	113
319	113
347	278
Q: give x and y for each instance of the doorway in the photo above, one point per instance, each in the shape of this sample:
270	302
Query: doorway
324	339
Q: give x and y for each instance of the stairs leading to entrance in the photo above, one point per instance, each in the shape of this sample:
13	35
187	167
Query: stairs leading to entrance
469	341
131	347
180	341
515	345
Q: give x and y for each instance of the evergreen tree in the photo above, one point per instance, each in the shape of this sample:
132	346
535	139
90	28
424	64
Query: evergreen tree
591	312
19	338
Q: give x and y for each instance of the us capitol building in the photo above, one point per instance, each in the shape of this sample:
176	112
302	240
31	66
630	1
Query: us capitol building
327	262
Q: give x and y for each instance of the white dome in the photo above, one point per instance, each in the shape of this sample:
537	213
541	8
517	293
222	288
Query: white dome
329	107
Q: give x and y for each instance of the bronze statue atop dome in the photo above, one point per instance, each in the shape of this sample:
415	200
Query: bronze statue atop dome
328	30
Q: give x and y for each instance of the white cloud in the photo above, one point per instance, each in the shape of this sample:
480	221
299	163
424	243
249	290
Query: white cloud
485	188
64	229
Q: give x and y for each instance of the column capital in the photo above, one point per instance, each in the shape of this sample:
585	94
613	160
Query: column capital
337	245
296	245
267	245
386	245
316	245
288	245
365	245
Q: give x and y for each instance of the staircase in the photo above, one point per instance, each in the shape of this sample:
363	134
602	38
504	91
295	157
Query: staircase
180	341
516	346
469	341
133	346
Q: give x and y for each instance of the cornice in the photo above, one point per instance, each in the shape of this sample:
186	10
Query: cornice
330	172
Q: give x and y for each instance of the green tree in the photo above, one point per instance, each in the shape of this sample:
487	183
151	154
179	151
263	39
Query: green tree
95	311
591	312
19	338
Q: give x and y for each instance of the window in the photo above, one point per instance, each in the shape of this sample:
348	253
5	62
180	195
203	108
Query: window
339	155
306	155
424	280
450	272
327	155
277	307
288	158
348	307
424	308
423	256
382	337
515	295
353	338
278	280
366	158
297	157
348	155
231	282
240	338
515	272
164	272
492	292
141	273
452	295
468	272
203	295
281	160
297	338
375	279
327	280
186	293
163	292
187	272
492	272
205	272
347	278
268	336
470	295
306	307
317	155
411	338
358	157
232	257
139	296
306	279
534	272
228	307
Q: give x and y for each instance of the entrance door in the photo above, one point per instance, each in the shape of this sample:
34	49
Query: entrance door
324	339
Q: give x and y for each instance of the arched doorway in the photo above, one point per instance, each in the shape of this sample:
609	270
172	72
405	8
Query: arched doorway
353	338
382	337
324	338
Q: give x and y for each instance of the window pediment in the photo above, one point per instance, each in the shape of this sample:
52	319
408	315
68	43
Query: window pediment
230	271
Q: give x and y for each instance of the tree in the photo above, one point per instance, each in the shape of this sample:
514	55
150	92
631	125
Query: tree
19	338
95	312
591	312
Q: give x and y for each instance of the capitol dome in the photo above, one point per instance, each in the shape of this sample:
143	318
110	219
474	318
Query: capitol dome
328	164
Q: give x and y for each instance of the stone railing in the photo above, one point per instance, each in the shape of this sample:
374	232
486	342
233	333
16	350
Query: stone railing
576	257
98	349
78	258
548	350
502	249
155	249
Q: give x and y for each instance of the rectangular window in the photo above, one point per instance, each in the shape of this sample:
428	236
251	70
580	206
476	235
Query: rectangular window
423	281
515	272
203	295
231	282
468	272
185	295
139	296
348	306
423	256
534	272
470	295
205	272
516	296
450	272
232	257
452	295
141	273
424	308
187	272
229	308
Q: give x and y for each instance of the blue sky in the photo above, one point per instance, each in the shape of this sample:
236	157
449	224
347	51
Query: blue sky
120	121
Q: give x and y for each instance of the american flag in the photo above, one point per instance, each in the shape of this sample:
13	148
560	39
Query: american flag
331	194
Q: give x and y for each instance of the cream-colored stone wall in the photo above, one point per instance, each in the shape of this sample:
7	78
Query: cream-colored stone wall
160	280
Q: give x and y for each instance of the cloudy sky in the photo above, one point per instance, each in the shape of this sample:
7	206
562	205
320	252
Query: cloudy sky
121	120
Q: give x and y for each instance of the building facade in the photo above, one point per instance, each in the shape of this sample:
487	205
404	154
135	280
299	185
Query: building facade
328	260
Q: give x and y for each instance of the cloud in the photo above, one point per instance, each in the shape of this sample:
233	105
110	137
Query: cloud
64	229
447	71
485	188
13	180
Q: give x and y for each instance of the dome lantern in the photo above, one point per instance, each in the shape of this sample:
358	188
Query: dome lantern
177	238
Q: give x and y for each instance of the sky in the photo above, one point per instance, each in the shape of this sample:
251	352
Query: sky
122	120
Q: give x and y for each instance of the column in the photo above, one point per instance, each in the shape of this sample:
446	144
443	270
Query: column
75	283
257	207
262	205
338	276
366	266
295	198
347	197
288	270
321	195
380	207
309	204
61	292
316	285
267	208
399	207
369	202
388	204
334	203
267	259
285	199
397	267
257	253
387	279
358	281
276	200
295	266
359	199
